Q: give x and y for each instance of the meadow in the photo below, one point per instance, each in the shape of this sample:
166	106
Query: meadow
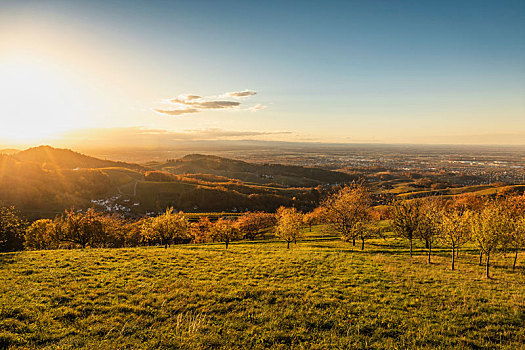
322	293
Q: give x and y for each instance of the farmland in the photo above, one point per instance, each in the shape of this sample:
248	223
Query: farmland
322	293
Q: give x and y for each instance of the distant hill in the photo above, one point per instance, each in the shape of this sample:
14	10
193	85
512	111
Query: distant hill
57	158
288	175
9	151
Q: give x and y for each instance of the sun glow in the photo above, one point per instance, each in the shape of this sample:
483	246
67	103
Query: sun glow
39	100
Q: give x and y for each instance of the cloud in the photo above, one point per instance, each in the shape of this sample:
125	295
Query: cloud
240	94
176	111
207	104
190	103
214	133
256	108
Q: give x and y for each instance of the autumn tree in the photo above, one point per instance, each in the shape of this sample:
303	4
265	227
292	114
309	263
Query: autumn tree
251	223
515	238
289	222
41	235
200	230
167	228
12	228
454	230
315	217
348	211
79	228
429	223
488	227
224	230
406	218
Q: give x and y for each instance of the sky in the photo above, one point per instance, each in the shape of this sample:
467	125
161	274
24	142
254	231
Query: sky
122	72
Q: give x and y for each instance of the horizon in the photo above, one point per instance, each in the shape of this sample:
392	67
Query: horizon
116	74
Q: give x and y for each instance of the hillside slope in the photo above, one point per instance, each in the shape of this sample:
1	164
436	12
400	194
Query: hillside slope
57	158
288	175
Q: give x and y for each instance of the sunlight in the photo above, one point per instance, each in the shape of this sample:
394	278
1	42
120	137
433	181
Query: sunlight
38	101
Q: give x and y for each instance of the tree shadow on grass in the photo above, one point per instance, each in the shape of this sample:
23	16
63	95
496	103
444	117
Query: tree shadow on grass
8	258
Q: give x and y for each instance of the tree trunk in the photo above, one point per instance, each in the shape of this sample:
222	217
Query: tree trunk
353	242
453	257
310	228
411	247
227	244
288	246
362	244
429	251
488	264
515	259
480	257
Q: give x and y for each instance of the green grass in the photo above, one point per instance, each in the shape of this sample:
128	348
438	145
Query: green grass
321	294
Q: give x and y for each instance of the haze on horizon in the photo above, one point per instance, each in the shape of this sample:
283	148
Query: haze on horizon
121	73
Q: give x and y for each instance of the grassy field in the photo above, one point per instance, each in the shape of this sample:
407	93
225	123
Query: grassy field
320	294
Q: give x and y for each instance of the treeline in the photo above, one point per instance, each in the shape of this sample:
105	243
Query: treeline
78	229
492	225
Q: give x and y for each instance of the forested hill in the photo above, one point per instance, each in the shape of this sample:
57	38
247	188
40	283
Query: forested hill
252	172
58	158
46	180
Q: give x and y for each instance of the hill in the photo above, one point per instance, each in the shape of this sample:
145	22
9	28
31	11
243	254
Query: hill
9	151
57	158
288	175
43	181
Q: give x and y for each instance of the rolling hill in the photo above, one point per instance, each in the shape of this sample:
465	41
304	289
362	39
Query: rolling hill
287	175
44	180
57	158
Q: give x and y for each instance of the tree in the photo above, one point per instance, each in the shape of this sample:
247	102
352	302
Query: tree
12	229
315	217
488	227
82	229
289	223
40	235
167	228
251	223
429	223
224	230
454	230
515	238
406	216
348	211
200	230
365	230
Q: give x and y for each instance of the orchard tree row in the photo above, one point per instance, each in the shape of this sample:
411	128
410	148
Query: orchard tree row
493	225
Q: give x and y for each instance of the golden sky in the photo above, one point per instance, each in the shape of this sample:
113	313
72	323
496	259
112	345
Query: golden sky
72	71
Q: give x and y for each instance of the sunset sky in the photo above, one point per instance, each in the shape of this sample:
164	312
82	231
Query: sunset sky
324	71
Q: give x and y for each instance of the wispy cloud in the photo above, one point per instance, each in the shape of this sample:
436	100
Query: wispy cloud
256	108
240	94
191	104
176	111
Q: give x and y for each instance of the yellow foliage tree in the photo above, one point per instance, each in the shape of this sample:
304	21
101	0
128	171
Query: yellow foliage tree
289	222
348	211
167	228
